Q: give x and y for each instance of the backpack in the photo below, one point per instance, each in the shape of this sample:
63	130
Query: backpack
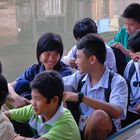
121	60
74	106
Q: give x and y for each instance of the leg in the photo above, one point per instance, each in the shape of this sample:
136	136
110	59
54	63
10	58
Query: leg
98	127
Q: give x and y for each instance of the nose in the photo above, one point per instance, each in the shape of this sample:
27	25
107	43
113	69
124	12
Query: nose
51	57
128	28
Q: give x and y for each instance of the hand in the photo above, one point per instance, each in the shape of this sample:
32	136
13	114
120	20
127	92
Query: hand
135	56
72	63
138	108
70	96
117	45
21	101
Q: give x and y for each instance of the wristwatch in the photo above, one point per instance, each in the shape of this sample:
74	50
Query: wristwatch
80	97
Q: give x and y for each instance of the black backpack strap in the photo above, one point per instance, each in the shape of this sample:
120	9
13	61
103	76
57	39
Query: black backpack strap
74	106
80	83
132	69
108	90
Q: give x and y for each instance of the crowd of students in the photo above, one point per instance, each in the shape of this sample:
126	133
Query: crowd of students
47	95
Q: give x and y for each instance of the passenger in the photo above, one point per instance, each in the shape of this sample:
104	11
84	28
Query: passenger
131	16
47	117
81	28
6	128
132	75
48	52
101	112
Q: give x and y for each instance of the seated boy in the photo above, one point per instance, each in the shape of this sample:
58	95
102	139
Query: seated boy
81	28
101	111
132	75
46	115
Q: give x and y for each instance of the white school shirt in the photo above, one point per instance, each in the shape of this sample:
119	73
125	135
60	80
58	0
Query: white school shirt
118	95
135	91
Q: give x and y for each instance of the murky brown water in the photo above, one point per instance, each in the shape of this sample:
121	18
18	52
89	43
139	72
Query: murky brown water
23	21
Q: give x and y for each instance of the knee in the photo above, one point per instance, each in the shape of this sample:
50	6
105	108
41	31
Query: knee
99	116
99	122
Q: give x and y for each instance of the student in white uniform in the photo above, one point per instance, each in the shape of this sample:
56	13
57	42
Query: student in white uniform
81	28
132	75
99	117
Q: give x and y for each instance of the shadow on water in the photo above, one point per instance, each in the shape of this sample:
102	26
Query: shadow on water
22	22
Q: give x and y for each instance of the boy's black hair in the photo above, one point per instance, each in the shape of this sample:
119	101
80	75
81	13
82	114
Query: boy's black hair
83	27
134	41
132	11
49	84
3	89
49	42
92	44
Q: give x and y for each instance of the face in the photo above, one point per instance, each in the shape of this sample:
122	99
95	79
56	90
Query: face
49	59
39	103
82	61
131	25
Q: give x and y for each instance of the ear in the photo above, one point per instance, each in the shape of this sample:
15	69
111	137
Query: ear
92	59
55	99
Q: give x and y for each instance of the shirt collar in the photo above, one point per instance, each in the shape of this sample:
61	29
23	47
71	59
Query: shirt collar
56	116
103	82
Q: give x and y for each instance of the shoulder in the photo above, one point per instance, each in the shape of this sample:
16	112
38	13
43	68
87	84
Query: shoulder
65	69
123	30
128	68
109	49
65	124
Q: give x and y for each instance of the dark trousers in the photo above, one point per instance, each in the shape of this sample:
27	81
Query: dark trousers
131	117
22	129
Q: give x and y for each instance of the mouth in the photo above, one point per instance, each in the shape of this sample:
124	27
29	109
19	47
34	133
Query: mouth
35	109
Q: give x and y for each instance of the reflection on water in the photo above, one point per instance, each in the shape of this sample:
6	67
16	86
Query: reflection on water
23	21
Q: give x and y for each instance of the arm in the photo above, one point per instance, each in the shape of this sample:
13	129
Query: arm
119	46
112	110
18	100
71	57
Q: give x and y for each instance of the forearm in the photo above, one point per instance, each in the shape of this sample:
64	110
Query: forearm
113	111
7	113
12	92
125	51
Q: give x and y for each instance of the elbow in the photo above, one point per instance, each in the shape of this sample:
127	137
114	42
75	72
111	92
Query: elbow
117	113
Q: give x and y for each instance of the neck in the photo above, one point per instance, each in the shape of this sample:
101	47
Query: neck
48	116
96	74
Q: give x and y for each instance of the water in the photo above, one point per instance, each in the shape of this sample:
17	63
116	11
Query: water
23	21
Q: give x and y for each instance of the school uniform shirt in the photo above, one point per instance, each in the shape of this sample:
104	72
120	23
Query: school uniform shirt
110	57
118	95
34	69
6	128
61	126
135	90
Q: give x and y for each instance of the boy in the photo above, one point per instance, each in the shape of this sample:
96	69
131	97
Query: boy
81	28
131	16
100	116
46	115
131	74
